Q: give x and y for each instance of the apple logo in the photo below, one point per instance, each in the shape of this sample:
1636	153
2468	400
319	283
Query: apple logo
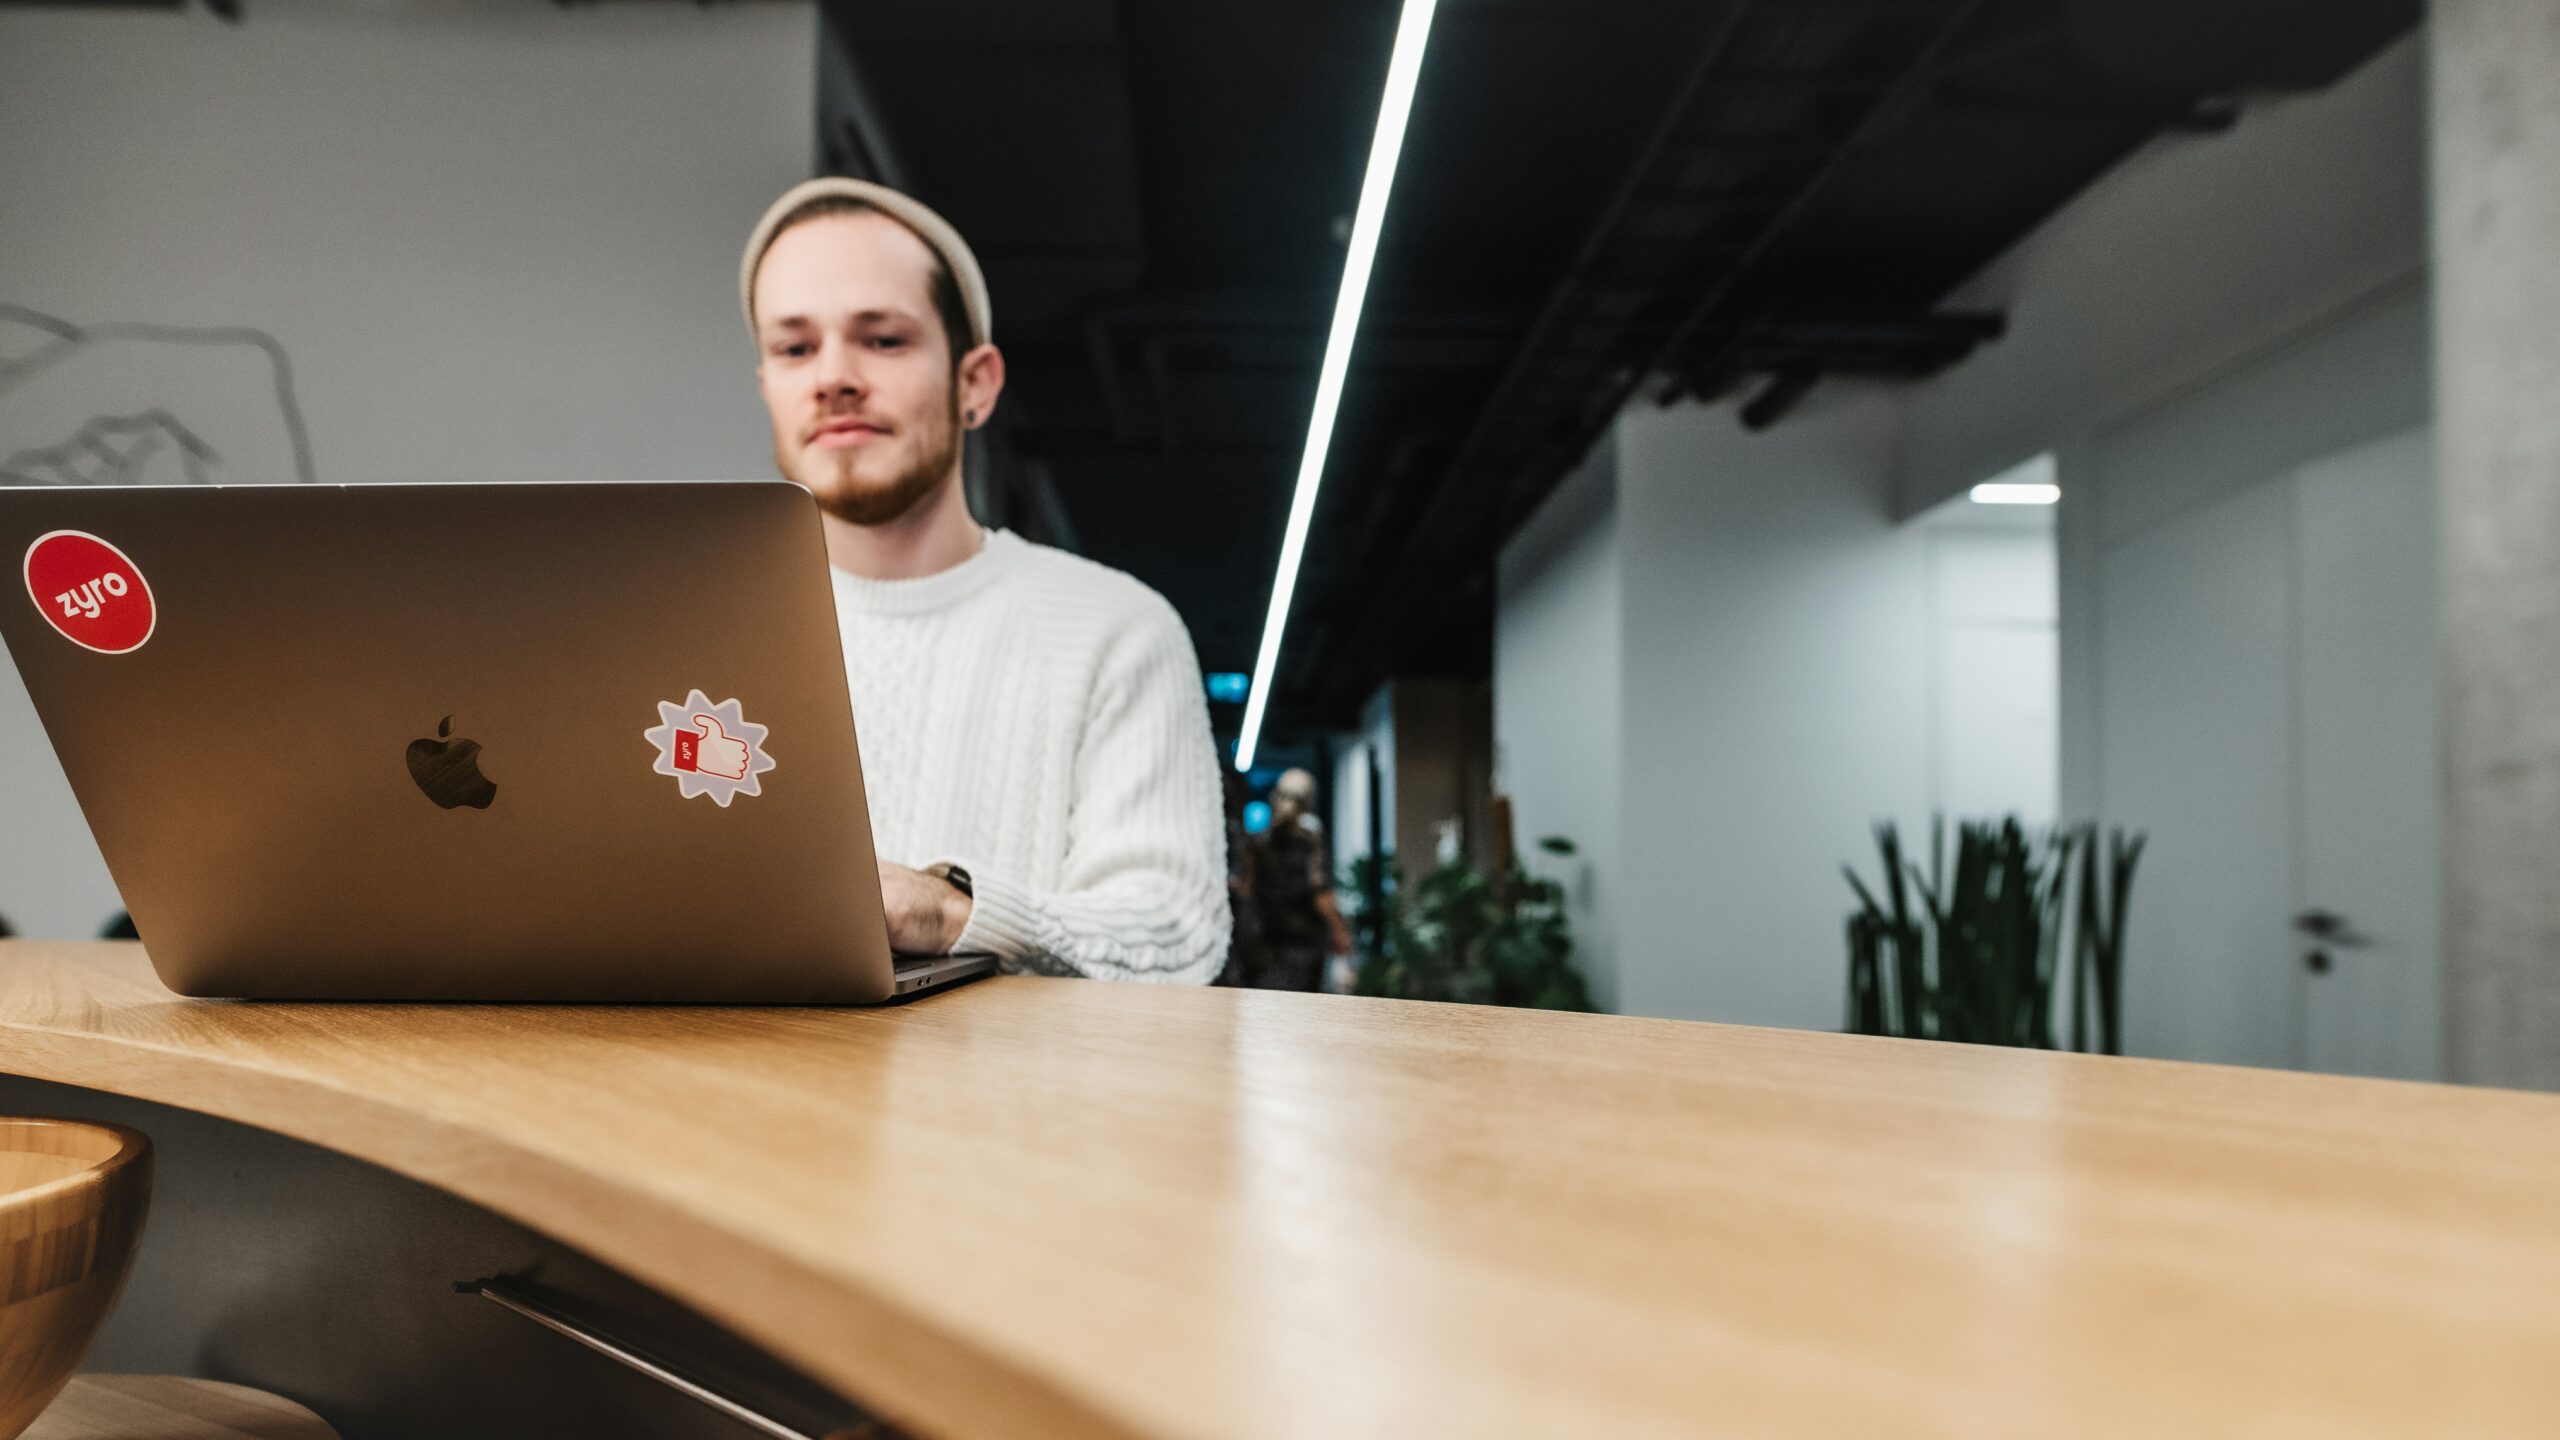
449	770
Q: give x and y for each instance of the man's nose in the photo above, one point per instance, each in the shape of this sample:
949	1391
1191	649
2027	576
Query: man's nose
839	368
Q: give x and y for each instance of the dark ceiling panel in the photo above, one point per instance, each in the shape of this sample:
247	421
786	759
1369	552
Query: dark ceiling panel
1598	199
1248	138
1045	183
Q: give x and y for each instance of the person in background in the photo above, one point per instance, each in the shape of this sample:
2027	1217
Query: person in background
1034	732
1292	888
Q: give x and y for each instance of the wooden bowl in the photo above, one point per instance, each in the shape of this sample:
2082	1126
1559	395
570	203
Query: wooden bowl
72	1198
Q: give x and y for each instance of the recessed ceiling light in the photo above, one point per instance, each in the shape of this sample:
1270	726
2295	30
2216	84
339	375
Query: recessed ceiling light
1995	494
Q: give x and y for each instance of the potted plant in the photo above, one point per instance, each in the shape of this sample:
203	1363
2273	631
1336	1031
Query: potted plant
1458	934
1972	953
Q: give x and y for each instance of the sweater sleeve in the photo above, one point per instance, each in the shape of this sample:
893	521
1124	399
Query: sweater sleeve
1143	893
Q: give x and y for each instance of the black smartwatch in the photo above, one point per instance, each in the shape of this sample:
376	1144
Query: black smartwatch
959	879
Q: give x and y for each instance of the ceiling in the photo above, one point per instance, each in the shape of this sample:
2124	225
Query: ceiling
1600	201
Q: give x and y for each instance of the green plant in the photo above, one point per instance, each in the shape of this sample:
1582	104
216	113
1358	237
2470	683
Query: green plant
1457	934
2099	994
1971	954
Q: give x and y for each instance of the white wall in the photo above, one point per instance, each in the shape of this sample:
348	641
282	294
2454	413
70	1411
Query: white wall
497	241
1558	678
1994	697
1718	661
1349	826
1777	641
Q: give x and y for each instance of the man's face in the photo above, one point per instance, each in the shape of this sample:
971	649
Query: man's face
856	371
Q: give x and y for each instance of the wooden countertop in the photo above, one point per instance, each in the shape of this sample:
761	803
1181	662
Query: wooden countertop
1063	1208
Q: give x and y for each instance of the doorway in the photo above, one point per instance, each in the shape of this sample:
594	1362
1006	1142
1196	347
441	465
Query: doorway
2267	713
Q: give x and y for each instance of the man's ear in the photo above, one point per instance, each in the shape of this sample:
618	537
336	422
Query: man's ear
981	381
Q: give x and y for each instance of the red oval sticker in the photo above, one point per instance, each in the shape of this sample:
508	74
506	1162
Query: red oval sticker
91	591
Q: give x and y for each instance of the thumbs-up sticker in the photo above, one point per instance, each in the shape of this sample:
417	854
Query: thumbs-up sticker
709	749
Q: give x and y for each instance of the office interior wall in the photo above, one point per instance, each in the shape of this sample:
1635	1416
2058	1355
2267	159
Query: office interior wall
494	242
1994	694
2210	593
2195	253
1776	652
1773	616
1558	678
1353	802
1719	661
2216	313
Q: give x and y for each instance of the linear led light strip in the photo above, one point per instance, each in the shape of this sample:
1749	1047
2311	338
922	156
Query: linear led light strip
1403	69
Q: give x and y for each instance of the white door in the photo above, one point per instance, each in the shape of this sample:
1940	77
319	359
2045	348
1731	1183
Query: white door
2267	715
2195	641
2366	548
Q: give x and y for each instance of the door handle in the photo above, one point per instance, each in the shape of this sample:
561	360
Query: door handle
2330	928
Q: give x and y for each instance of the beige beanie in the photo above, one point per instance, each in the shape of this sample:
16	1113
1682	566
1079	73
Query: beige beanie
932	229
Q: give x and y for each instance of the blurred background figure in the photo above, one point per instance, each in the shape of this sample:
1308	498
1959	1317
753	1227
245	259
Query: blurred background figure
1289	882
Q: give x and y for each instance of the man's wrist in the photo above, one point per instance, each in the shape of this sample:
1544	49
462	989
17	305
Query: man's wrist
957	906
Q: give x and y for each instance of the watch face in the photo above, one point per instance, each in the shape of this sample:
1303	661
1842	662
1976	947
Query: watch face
959	879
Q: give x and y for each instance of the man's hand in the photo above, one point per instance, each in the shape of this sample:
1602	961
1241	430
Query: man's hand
926	912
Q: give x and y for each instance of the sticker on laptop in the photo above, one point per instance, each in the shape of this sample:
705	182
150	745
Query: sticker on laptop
709	749
90	591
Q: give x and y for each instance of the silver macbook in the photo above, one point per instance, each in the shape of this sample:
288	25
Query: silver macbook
462	742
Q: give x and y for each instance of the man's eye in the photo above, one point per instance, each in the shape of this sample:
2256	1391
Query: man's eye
792	351
888	342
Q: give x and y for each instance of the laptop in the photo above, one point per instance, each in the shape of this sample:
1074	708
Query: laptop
516	742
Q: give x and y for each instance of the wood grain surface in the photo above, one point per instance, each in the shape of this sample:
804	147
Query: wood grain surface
1056	1208
73	1197
170	1407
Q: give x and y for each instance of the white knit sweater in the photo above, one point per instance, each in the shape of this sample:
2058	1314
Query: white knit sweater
1039	720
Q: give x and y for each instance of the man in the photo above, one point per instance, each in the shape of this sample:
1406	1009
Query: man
1292	886
1033	728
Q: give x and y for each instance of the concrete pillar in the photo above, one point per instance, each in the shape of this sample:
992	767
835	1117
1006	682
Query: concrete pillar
2495	114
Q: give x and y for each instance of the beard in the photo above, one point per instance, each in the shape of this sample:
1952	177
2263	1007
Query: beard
832	475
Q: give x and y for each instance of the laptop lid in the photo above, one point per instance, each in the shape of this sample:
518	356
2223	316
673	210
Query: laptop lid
487	742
